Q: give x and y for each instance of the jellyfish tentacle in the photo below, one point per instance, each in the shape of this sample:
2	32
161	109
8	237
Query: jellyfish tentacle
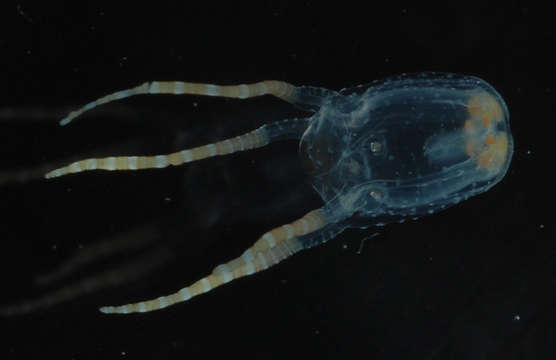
291	128
270	249
280	89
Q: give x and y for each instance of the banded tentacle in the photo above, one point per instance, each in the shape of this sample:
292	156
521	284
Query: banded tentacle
271	248
251	140
280	89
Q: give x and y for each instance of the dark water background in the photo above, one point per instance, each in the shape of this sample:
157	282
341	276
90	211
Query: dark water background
474	282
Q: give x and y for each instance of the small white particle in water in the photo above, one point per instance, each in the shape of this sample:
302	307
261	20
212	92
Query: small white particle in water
517	317
541	226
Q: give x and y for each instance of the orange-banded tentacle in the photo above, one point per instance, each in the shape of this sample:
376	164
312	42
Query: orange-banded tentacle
271	248
280	89
251	140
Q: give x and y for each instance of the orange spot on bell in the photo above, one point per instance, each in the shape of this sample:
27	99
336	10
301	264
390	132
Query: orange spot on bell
474	106
485	107
485	160
490	140
468	126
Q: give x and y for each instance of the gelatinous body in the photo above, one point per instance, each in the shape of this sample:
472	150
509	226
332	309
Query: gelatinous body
408	146
393	149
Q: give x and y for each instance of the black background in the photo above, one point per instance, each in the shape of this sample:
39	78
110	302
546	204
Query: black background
474	282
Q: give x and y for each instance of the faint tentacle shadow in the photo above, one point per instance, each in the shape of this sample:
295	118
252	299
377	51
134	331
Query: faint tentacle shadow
142	265
49	114
132	240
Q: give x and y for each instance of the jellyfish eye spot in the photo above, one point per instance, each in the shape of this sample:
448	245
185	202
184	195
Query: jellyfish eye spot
376	147
376	194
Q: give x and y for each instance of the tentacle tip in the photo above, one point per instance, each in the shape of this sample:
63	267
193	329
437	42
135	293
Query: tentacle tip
67	119
53	174
50	175
106	309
